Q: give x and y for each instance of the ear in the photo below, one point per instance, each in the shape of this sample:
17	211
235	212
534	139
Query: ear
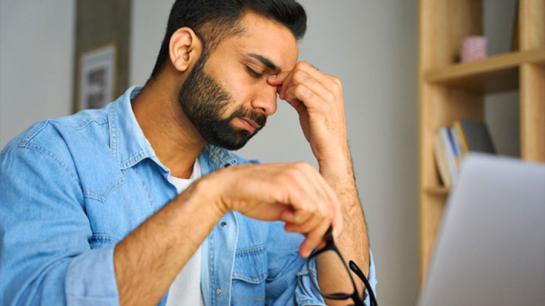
184	48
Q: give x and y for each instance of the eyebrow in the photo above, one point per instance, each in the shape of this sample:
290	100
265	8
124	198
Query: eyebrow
265	61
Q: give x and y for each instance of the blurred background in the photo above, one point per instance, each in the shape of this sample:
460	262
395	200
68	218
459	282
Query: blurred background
370	45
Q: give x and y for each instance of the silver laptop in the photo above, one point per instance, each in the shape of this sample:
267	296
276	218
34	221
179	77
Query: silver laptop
491	247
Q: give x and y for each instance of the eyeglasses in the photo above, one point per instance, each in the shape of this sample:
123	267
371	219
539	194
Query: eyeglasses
329	253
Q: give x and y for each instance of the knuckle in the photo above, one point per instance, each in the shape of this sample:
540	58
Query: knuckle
303	166
293	179
298	76
328	214
285	179
294	169
322	214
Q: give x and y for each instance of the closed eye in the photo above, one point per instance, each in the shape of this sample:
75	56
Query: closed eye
253	73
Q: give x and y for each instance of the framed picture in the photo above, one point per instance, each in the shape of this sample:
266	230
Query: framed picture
96	79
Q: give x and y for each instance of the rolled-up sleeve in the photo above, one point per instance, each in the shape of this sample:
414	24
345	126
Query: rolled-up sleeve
289	281
45	255
372	279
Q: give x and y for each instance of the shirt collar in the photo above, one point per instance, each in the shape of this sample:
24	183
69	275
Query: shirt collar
130	146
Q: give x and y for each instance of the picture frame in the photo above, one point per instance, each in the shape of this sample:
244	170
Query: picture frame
97	77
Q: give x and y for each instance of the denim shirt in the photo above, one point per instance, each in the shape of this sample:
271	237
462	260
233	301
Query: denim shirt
73	187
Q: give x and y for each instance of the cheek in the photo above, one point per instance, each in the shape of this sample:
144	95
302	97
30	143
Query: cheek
235	85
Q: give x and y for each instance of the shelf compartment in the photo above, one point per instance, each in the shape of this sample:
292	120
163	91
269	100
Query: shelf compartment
495	74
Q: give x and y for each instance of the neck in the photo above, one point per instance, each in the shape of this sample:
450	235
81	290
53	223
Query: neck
172	136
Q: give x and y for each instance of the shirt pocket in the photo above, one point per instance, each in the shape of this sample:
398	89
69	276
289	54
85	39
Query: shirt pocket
117	212
249	275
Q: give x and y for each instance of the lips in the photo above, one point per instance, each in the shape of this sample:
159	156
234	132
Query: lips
250	123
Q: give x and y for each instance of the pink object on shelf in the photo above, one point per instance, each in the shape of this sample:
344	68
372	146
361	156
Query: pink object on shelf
473	49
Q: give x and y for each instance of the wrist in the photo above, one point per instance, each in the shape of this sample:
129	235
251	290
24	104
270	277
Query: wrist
211	192
339	164
333	154
339	173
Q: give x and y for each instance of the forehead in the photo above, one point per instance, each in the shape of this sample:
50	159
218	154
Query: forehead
266	38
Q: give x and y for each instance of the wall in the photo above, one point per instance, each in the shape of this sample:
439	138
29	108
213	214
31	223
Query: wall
371	46
36	42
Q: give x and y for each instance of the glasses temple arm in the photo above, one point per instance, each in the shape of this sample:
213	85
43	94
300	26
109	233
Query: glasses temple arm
354	267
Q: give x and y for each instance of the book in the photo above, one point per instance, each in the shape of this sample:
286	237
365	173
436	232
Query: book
446	155
474	137
453	143
457	145
441	161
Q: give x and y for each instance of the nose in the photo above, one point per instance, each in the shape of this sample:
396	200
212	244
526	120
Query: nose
265	100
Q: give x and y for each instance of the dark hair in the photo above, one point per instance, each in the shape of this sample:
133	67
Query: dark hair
214	20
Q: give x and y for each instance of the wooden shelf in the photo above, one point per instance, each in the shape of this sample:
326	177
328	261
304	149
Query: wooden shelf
437	191
495	74
449	92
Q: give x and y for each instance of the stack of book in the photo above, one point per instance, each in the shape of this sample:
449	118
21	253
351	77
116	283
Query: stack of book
453	143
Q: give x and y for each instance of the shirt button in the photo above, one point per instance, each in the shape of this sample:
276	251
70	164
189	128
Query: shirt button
218	291
223	224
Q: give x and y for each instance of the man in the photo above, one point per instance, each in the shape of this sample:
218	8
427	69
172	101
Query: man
140	203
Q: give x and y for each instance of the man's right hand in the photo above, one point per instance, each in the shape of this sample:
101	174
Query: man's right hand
295	193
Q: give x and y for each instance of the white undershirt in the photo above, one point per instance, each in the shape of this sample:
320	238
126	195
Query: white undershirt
186	288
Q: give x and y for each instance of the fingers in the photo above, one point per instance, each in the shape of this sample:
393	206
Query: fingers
311	83
309	196
283	77
331	205
302	93
312	218
313	239
307	227
323	85
294	193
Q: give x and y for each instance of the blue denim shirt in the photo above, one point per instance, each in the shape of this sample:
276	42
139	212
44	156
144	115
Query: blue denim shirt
73	187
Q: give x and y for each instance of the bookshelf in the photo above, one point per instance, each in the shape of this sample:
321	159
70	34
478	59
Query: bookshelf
449	91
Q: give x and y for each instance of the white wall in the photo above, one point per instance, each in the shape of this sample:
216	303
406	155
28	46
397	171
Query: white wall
371	46
36	43
149	21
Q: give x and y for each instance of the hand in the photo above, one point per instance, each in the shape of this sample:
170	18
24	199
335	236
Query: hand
318	99
294	193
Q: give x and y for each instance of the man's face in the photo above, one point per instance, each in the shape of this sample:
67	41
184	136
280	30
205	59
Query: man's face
226	96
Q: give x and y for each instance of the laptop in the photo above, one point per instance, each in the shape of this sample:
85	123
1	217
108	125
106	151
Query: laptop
491	247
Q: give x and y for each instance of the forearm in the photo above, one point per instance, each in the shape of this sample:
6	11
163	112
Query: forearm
159	248
353	242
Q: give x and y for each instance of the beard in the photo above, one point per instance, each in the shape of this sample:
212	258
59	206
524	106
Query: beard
204	102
